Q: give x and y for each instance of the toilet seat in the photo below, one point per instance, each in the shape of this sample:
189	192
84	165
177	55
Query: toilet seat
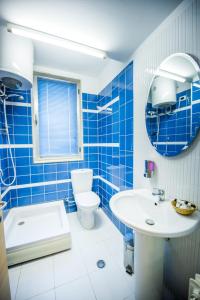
87	199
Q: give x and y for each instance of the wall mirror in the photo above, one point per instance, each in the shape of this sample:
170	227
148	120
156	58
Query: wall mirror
173	105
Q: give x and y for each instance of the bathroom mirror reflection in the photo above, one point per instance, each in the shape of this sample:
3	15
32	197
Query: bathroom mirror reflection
173	105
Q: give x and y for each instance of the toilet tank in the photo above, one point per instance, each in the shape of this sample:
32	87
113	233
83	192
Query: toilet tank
81	180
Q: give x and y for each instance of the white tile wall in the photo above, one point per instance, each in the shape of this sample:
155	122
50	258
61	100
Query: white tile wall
178	176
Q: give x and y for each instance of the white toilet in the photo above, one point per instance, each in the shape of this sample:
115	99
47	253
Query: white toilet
87	201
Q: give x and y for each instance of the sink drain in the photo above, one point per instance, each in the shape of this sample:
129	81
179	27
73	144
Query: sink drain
149	222
21	223
101	264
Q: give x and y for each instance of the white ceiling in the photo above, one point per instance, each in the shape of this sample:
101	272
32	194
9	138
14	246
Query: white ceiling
116	26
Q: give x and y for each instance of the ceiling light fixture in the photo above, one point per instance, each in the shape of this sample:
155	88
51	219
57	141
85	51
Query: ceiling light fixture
55	40
170	75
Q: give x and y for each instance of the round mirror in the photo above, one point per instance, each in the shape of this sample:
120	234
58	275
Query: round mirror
173	106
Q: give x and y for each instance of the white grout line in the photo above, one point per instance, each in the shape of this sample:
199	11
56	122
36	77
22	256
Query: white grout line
170	113
95	111
5	146
182	109
195	102
5	192
22	186
101	108
109	104
196	85
102	145
109	183
29	185
176	110
18	103
170	143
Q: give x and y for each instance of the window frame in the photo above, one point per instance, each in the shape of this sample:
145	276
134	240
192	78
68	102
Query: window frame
35	121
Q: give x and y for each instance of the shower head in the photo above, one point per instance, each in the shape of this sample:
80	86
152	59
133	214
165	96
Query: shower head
11	83
20	97
6	97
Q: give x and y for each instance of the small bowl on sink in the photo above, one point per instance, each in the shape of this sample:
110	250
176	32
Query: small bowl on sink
184	211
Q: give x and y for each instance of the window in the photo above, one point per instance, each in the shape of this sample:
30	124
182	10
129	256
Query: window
57	121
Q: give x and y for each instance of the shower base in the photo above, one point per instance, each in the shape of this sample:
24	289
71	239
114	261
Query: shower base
35	231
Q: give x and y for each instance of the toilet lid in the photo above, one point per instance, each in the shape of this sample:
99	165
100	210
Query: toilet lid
87	199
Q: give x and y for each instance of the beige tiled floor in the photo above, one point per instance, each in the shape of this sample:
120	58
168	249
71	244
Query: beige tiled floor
73	275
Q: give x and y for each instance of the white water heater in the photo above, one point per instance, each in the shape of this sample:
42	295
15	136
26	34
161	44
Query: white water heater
16	61
163	92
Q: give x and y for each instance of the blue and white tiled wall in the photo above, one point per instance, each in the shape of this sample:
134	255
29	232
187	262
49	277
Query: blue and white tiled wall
36	183
108	149
115	124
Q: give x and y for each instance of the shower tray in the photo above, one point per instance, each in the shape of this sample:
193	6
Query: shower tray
35	231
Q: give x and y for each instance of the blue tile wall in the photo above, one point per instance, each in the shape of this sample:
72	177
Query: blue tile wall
115	125
28	172
113	162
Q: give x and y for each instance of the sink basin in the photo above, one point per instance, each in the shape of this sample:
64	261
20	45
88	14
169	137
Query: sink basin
152	223
135	207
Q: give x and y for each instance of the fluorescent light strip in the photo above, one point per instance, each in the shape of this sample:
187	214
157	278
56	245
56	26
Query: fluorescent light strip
169	75
54	40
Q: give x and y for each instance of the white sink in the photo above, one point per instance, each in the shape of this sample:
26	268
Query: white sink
136	208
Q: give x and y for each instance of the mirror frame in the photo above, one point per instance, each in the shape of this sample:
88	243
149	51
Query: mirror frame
196	65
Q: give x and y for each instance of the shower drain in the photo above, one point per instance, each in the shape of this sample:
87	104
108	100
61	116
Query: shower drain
21	223
101	264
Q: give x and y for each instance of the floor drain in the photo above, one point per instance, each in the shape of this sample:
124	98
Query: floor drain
101	264
21	223
149	222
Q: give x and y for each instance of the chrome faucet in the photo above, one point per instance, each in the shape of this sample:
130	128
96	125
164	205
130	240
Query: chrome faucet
160	193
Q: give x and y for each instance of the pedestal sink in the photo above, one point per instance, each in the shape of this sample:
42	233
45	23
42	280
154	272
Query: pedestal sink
152	223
